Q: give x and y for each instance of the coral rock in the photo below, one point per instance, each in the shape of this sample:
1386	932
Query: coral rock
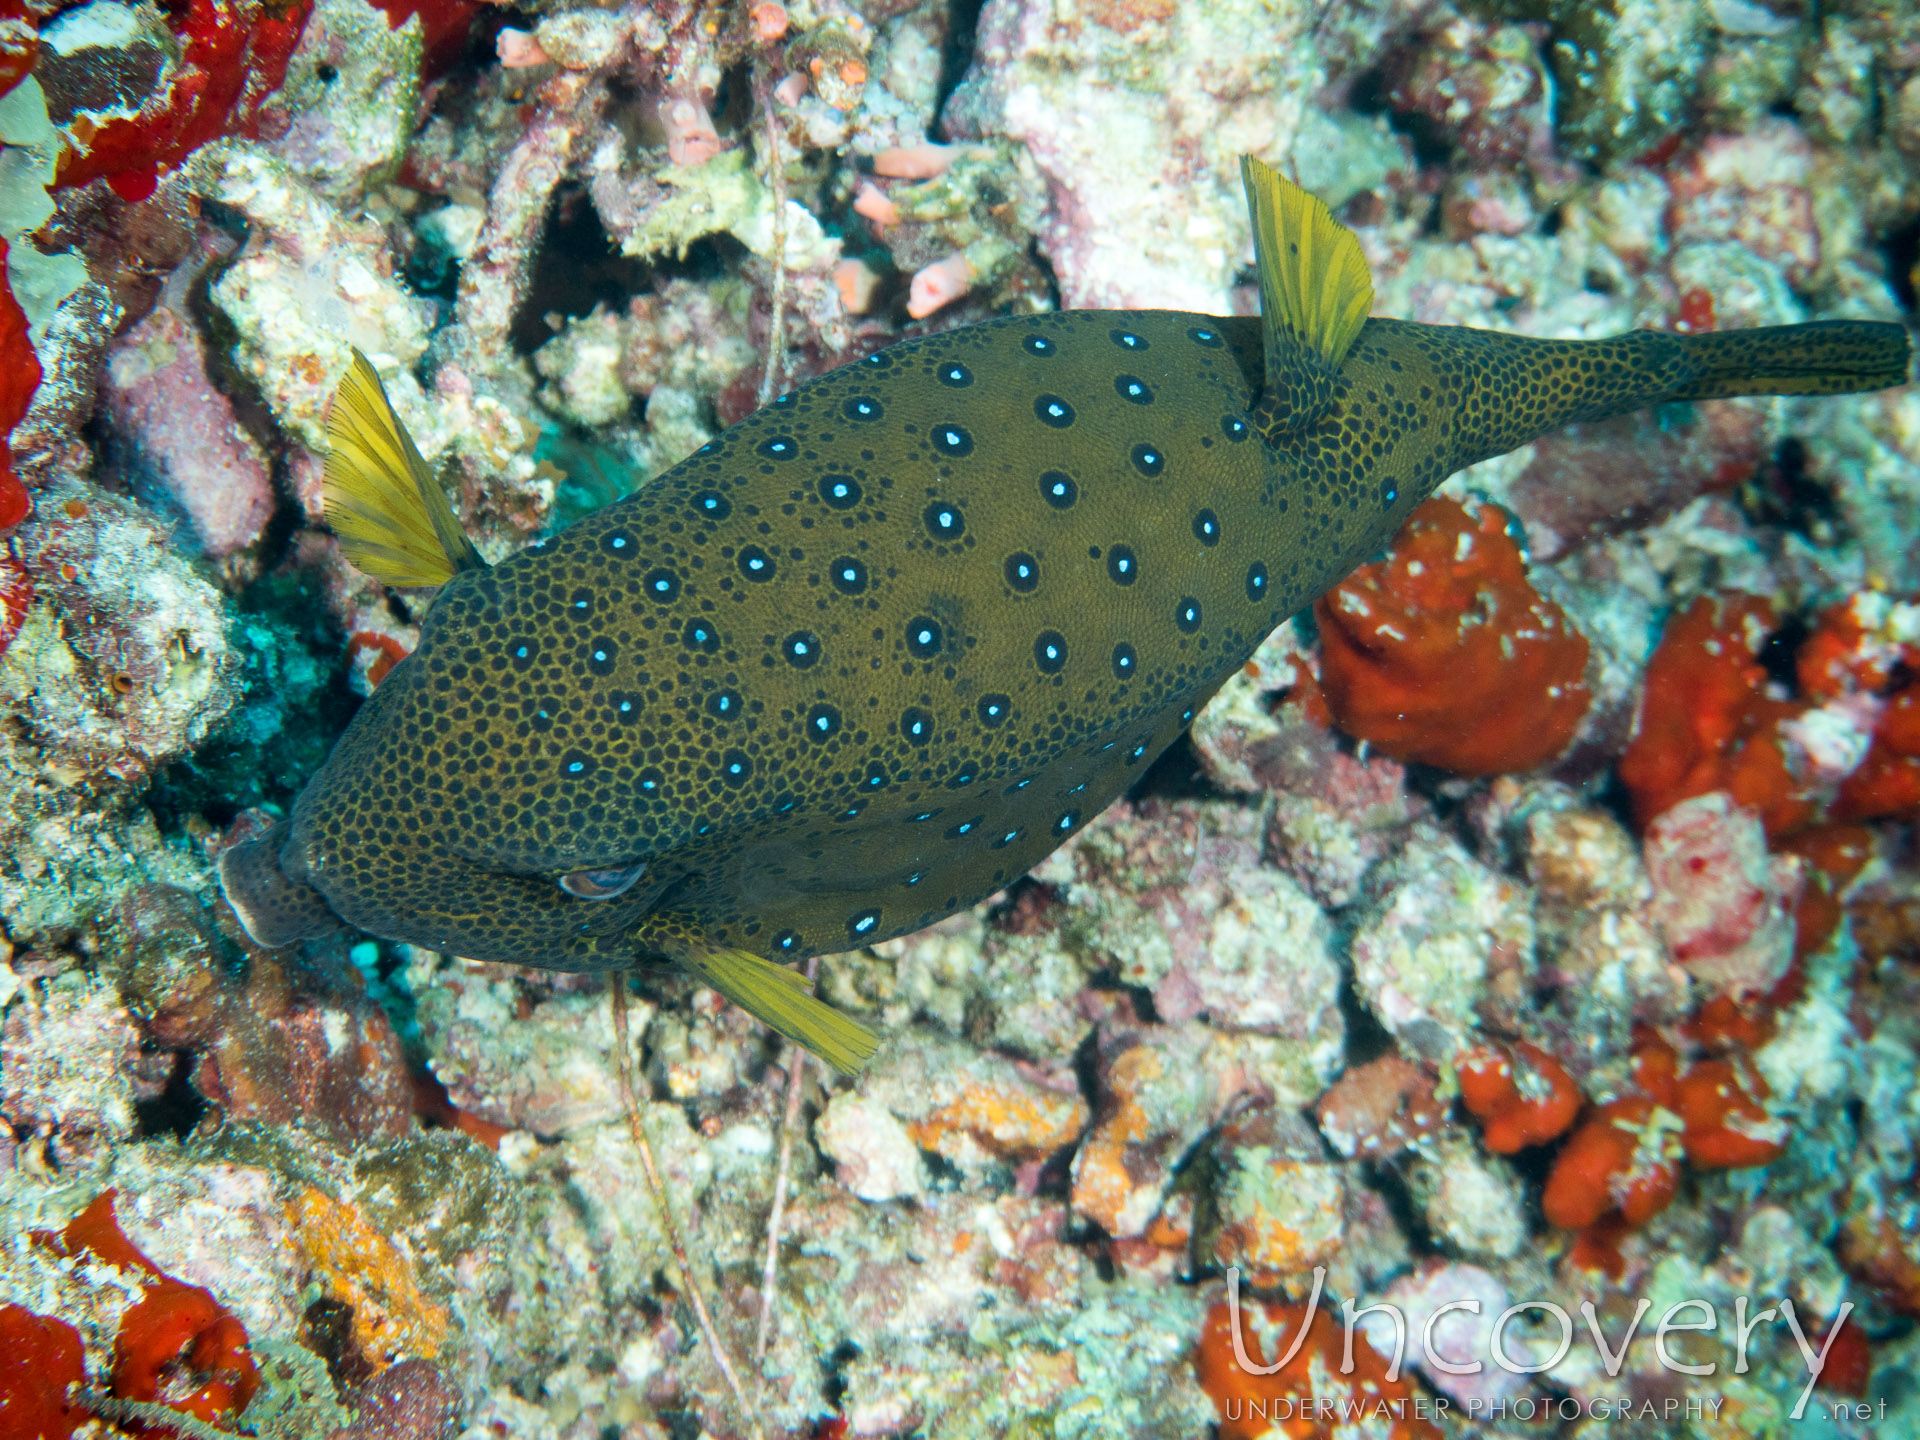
1278	1207
1473	1203
392	1316
410	1400
582	366
71	1057
529	1057
1603	477
1120	156
1424	954
1238	735
582	39
312	283
1480	87
1580	860
345	113
443	25
140	666
1455	1339
1628	70
273	1040
1753	189
1155	1101
1179	902
185	444
1334	815
1014	1124
875	1155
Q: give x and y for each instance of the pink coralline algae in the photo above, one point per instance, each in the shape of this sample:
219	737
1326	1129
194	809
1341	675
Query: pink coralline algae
1597	479
185	444
1723	903
1752	189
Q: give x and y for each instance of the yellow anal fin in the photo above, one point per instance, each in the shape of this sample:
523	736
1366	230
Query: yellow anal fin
779	998
1315	293
389	511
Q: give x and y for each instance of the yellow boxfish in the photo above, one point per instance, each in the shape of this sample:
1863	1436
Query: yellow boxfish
879	648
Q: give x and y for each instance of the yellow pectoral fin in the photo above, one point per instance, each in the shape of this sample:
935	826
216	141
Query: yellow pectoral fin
780	998
389	511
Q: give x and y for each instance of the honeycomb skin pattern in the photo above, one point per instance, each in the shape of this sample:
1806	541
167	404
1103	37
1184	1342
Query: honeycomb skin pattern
878	649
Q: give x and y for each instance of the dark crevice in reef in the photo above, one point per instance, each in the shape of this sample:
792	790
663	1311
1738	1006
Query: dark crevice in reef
295	701
1045	267
1372	94
733	101
963	29
1175	775
577	267
1782	494
177	1109
834	1385
1367	1039
1902	252
1777	653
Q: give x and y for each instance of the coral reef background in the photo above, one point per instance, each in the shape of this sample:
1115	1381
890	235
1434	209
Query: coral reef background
1538	919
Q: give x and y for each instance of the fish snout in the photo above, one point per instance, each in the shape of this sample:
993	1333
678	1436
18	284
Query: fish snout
275	908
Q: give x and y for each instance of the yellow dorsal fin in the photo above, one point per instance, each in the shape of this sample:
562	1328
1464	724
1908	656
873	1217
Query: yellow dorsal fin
389	511
1313	278
779	998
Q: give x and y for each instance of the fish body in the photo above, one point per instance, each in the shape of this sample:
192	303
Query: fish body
876	650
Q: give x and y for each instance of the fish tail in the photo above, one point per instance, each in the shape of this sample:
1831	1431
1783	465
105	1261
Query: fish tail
1512	389
1826	357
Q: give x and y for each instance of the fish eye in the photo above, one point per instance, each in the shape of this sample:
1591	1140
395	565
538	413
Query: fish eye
602	884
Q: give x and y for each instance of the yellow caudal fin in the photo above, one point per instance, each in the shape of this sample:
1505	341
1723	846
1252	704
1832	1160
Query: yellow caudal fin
389	511
1315	293
779	998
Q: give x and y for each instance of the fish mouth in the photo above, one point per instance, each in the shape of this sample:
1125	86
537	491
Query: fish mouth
273	907
602	884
